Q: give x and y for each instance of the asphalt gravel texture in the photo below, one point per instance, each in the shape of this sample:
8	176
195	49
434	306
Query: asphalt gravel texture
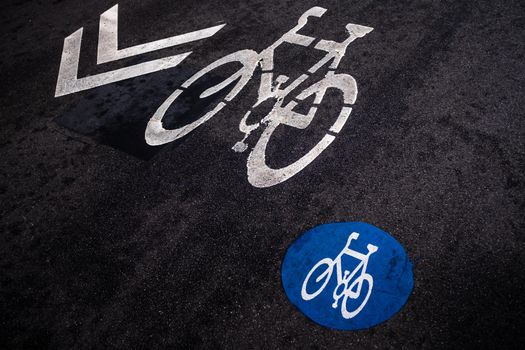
107	242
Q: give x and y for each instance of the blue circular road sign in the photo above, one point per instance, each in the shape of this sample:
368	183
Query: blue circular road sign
347	276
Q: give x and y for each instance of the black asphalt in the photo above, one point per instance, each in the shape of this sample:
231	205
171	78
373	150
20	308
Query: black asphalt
109	243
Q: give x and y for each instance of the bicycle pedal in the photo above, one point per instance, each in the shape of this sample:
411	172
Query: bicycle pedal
240	147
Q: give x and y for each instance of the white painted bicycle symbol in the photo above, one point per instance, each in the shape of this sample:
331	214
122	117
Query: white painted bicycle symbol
259	173
344	288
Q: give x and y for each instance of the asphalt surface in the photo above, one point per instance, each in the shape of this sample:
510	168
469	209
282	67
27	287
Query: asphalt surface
109	243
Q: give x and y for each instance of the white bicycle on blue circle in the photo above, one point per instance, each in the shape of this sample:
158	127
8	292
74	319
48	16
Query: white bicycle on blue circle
259	173
344	289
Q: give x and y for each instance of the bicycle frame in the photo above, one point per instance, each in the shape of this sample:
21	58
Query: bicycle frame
343	280
334	52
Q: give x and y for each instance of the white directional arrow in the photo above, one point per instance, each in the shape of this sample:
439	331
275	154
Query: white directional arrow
68	81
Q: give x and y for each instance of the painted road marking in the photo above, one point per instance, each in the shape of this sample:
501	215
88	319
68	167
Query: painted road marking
347	275
108	39
276	89
259	173
343	288
107	51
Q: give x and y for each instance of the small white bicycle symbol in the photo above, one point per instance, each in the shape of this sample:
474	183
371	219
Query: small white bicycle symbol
343	289
259	173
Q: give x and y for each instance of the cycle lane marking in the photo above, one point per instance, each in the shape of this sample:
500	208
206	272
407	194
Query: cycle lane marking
259	173
347	276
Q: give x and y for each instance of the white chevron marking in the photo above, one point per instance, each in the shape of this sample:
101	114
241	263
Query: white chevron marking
68	81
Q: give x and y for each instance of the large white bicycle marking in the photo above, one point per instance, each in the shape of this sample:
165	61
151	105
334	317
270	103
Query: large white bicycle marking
259	173
344	288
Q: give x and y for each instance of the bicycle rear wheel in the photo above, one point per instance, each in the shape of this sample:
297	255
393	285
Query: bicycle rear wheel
156	134
321	274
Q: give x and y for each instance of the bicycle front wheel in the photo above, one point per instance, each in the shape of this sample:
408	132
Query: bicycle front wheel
156	134
259	173
344	305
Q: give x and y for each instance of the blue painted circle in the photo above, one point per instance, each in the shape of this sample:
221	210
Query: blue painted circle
313	283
